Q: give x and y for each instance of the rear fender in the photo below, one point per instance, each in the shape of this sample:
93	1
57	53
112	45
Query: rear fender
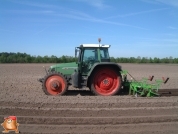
103	64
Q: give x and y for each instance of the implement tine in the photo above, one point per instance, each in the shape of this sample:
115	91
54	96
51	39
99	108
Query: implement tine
151	78
165	81
132	76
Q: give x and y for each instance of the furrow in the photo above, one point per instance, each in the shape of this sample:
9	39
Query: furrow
141	128
88	112
103	103
95	120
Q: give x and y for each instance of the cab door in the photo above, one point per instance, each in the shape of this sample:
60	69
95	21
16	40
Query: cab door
89	57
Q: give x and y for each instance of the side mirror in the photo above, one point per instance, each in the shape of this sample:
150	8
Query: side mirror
76	52
76	56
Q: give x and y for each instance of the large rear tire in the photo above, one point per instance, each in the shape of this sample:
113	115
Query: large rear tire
105	82
54	84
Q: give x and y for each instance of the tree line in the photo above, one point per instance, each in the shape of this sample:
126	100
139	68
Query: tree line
144	60
26	58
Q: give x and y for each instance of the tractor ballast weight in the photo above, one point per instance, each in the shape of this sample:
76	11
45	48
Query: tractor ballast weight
93	70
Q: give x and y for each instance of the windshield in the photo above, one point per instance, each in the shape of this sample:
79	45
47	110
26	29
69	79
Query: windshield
90	54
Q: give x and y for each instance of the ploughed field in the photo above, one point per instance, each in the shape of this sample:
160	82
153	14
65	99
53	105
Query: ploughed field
80	111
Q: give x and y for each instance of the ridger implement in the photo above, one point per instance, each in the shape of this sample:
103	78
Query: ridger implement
143	87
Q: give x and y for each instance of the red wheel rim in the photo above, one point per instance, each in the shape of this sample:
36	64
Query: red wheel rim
106	82
55	85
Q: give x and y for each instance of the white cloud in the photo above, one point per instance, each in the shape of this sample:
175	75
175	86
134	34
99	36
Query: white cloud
150	1
34	4
73	14
99	4
81	16
167	2
157	41
174	28
137	13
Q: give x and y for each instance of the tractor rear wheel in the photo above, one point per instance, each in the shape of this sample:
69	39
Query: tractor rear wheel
105	82
54	84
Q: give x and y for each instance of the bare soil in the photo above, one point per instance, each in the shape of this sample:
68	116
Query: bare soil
80	111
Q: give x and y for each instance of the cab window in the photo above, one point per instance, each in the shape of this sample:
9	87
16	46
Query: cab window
90	54
104	54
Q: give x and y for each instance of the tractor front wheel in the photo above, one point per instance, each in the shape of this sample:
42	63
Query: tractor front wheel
105	82
54	84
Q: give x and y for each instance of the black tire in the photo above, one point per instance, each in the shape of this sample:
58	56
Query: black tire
54	83
105	81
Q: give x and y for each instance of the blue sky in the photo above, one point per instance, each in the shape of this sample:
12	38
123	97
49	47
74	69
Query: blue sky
146	28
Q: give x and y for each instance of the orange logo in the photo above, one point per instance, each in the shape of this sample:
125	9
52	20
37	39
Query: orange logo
10	124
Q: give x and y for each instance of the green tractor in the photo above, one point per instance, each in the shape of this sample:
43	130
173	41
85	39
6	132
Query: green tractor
93	69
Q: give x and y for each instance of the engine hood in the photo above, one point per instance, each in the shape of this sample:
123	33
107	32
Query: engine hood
64	68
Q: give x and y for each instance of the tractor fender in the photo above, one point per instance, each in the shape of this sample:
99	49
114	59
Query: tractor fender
103	64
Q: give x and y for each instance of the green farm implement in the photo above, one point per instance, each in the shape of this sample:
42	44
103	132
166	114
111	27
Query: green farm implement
144	87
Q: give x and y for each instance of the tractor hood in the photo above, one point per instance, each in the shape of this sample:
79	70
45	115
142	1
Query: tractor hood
64	68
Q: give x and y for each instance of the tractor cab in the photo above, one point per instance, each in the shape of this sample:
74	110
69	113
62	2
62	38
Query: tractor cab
89	54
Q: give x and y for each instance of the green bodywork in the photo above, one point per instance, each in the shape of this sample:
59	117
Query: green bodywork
64	68
88	59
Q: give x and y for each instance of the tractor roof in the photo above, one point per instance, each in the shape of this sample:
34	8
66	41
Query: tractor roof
94	45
